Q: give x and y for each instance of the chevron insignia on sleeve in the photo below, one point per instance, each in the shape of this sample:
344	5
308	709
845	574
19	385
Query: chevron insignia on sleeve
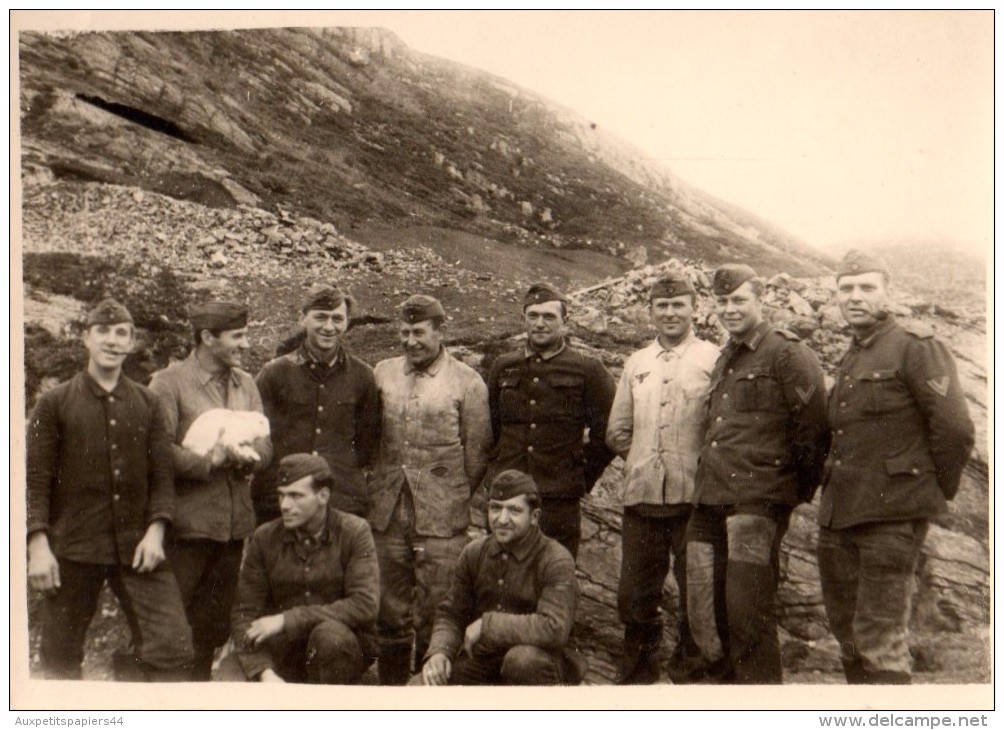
939	385
805	394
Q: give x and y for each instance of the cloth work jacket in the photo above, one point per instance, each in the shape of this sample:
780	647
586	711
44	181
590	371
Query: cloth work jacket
308	581
212	503
98	469
549	419
434	438
524	594
901	429
659	418
767	436
331	411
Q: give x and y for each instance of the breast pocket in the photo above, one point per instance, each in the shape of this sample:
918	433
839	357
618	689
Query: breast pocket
567	392
759	390
510	401
881	391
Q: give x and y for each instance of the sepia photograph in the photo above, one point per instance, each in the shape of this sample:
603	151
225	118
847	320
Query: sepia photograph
399	356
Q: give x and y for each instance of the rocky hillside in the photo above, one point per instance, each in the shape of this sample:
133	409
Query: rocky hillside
164	169
348	126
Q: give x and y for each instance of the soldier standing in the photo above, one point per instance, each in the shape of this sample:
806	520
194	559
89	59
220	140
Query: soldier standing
549	407
322	400
901	437
432	455
763	454
657	423
214	512
100	498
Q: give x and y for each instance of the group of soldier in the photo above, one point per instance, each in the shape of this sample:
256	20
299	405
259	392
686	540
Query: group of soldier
343	537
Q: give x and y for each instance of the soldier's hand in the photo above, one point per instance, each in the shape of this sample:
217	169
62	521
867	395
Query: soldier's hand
471	637
264	628
269	675
150	550
43	568
436	671
218	456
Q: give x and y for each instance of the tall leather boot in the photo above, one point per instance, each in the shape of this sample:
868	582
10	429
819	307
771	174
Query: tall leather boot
639	662
854	671
394	664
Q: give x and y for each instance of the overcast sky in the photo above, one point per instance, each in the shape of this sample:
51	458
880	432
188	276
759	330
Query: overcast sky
836	126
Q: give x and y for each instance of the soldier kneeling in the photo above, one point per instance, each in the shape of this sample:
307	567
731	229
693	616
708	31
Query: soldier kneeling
309	588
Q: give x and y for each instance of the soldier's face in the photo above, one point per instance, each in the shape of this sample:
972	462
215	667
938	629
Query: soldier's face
740	311
863	299
324	326
421	342
511	519
228	348
672	316
300	504
109	344
545	325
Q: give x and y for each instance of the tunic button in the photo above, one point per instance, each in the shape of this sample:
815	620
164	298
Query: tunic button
838	462
733	475
314	452
501	582
529	448
725	396
536	380
112	422
731	370
533	402
714	444
662	403
750	376
533	425
915	470
840	432
847	377
843	404
320	408
498	607
777	462
317	430
876	375
505	556
718	420
116	472
306	593
321	387
114	446
665	380
116	497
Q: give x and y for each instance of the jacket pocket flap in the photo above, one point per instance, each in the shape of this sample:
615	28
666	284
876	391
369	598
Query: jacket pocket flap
877	375
907	464
566	381
754	373
508	381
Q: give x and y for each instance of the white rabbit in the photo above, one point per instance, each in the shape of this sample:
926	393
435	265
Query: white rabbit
233	431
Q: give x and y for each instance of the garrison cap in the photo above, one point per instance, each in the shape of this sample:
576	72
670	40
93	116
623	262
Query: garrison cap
730	277
220	316
542	292
671	285
108	311
325	297
420	307
511	483
859	262
297	466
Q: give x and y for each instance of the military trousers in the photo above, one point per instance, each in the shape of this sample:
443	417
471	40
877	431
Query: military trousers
330	654
519	665
733	555
415	574
207	572
867	574
560	519
150	601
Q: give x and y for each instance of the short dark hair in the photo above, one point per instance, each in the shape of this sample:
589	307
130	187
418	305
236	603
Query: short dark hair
533	500
758	287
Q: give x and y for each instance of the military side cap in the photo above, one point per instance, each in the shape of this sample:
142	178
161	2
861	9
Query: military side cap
294	467
420	307
511	483
219	316
859	262
542	292
325	297
671	285
108	311
730	277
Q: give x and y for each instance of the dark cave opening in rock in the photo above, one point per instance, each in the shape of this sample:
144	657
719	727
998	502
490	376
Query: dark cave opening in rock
138	116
